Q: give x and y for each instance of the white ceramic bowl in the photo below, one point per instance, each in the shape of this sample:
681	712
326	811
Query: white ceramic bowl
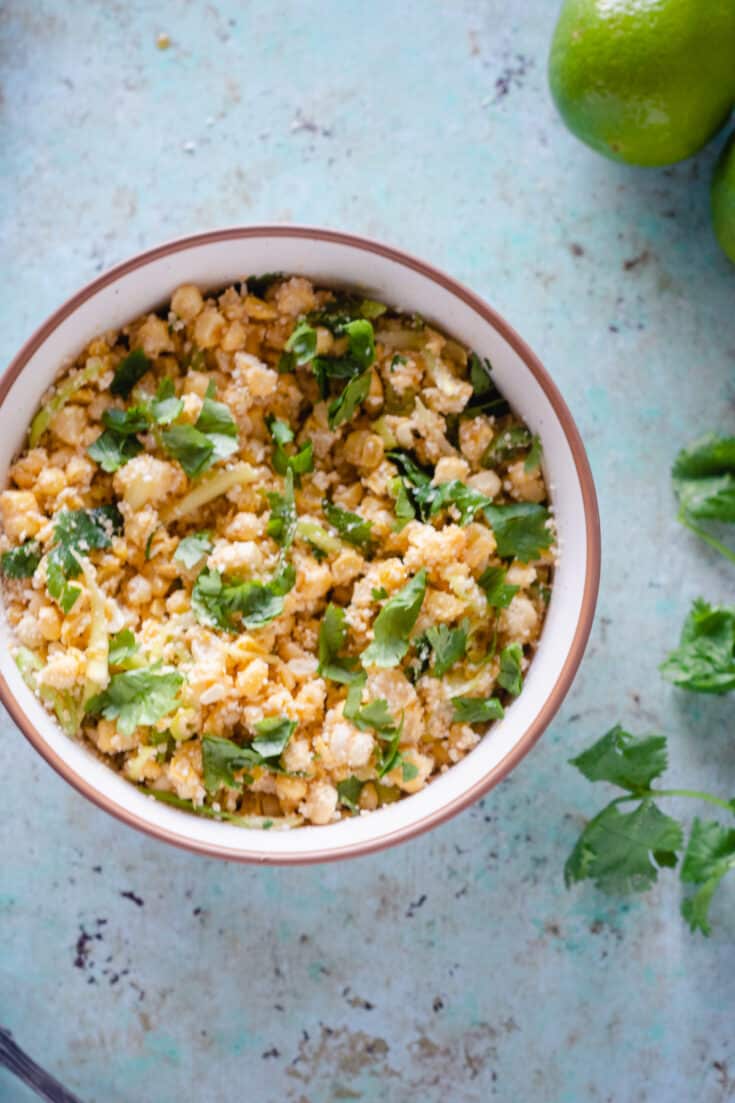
213	260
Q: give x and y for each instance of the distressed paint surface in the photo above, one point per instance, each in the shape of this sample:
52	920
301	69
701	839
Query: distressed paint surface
456	968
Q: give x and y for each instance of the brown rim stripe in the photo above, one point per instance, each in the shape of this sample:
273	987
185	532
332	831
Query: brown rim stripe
592	529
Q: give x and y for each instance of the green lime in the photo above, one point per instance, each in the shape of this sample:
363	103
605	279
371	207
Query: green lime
644	81
723	198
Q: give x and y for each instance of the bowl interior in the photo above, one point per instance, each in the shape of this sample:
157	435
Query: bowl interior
212	261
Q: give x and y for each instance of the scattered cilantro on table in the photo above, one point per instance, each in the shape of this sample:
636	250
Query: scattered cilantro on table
704	483
704	661
622	852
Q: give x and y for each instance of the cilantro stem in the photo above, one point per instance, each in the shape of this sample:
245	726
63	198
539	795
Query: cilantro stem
695	794
711	540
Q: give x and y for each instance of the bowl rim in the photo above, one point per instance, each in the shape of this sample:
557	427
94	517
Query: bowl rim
591	522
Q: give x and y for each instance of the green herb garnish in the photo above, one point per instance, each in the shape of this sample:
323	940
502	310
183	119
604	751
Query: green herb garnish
77	531
222	759
510	676
21	562
128	372
349	792
704	483
282	523
233	605
521	530
704	661
351	526
332	635
449	646
137	697
499	594
476	710
300	462
622	852
192	549
300	349
394	622
122	648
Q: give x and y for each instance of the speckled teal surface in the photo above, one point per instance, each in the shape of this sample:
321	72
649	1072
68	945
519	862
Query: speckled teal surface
457	968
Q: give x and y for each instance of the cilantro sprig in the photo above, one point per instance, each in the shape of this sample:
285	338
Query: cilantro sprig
704	483
704	661
622	852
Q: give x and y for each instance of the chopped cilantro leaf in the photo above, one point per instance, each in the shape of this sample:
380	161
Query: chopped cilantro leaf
449	646
623	851
393	624
348	792
282	523
300	349
122	647
221	760
128	372
499	594
190	447
232	604
112	451
630	761
510	676
533	459
165	407
344	406
710	854
351	526
506	445
126	423
192	549
213	437
258	285
521	530
137	697
77	531
22	561
217	423
274	733
332	635
476	710
379	593
704	661
301	462
403	509
486	398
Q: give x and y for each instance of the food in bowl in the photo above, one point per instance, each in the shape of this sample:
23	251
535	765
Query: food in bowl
279	554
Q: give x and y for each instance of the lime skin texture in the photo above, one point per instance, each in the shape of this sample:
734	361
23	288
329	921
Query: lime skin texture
647	82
